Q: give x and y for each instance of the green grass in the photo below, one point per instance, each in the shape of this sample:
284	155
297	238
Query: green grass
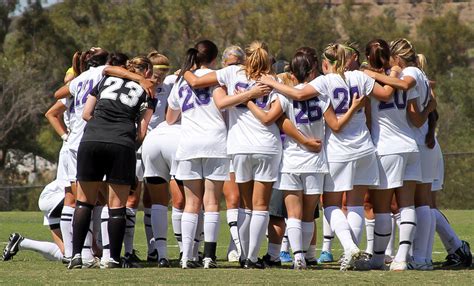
31	268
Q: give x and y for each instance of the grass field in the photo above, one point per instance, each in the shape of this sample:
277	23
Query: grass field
31	268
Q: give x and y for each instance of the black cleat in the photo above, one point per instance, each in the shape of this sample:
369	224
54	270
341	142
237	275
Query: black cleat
164	263
130	263
254	265
114	264
152	257
75	263
465	253
311	262
132	257
12	247
268	262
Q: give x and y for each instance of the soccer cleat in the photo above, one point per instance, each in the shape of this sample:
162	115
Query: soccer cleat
113	264
132	257
254	265
94	263
325	257
129	262
233	256
164	263
464	252
76	262
185	264
152	257
209	263
66	260
453	261
421	266
362	261
267	260
285	256
388	259
398	266
312	262
299	264
354	260
104	263
12	247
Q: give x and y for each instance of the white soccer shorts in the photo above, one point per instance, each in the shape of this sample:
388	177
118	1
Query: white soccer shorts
257	167
216	169
309	183
394	169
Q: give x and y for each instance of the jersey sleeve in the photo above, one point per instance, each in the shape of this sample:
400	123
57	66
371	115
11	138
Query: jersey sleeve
411	72
368	84
319	85
325	102
224	75
173	100
73	86
285	103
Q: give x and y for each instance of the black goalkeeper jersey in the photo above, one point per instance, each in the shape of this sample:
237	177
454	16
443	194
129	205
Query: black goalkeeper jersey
119	102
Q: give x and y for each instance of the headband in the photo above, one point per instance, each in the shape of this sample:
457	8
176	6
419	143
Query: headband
161	66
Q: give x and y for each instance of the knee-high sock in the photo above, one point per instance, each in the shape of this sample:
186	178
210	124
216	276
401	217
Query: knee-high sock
211	233
355	218
274	251
328	235
159	222
295	236
382	233
390	251
244	231
337	220
48	249
199	235
369	230
285	242
96	214
104	232
116	228
232	221
189	223
422	234
130	230
446	233
80	226
148	231
429	248
176	215
258	227
66	229
407	232
307	231
86	253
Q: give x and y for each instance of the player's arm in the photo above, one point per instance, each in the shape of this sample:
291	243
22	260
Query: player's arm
384	92
368	115
55	118
266	117
404	84
337	124
172	115
285	125
223	101
121	72
206	80
89	108
144	120
294	93
416	117
62	92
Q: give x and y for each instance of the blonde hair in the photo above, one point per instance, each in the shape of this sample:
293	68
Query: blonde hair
287	79
258	61
234	51
139	65
158	59
422	63
405	50
336	55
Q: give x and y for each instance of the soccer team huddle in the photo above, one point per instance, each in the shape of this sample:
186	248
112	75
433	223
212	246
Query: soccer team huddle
325	132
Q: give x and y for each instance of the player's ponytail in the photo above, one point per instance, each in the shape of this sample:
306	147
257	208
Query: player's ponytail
204	52
258	60
335	54
421	62
378	54
117	59
139	65
404	50
76	63
301	66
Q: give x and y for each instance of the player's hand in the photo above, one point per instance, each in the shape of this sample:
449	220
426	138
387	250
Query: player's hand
259	90
267	80
396	69
148	86
313	145
358	101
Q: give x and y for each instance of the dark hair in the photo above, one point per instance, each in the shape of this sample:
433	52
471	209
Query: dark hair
93	58
301	66
204	52
117	59
311	53
378	54
139	64
76	63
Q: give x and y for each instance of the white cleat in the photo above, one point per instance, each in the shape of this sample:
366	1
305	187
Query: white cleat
233	256
398	266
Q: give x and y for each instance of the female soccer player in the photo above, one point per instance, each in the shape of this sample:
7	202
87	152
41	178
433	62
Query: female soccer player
351	154
108	148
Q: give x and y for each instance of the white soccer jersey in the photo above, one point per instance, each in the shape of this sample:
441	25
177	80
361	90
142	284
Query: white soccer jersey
391	132
353	141
247	135
308	117
203	130
162	93
422	92
80	87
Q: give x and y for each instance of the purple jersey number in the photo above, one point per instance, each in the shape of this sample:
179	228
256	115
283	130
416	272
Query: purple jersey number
345	101
309	111
260	102
399	101
203	97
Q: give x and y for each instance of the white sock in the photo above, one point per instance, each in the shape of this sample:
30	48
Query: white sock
355	218
337	220
274	251
176	215
211	226
232	221
422	234
382	233
285	242
407	232
189	223
311	252
244	231
96	214
149	230
159	222
104	233
86	253
258	227
198	237
390	251
66	229
429	248
307	231
369	230
446	233
48	249
328	235
131	214
295	235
